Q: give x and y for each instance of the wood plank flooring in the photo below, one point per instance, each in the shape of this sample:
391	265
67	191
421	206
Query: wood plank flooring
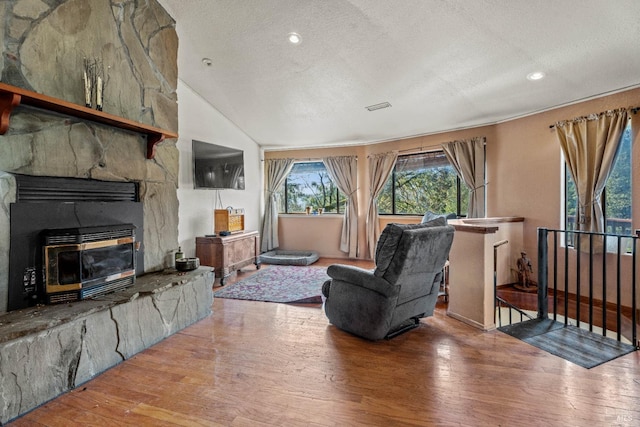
266	364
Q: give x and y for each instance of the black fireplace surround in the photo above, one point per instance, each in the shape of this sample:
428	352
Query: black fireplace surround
83	222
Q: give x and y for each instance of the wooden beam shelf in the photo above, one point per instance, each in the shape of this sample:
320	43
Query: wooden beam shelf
11	97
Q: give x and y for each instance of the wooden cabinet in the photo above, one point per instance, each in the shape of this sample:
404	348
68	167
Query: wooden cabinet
228	254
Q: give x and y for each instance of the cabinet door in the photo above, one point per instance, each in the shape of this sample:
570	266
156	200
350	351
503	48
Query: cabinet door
240	252
210	253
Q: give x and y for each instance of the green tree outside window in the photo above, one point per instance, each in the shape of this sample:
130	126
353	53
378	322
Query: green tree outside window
423	182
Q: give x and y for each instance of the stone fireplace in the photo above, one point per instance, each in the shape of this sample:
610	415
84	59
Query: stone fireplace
43	50
46	350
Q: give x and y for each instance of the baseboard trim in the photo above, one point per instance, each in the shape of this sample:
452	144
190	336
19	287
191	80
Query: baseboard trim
471	322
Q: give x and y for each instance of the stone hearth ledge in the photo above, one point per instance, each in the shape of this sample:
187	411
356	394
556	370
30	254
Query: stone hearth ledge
48	350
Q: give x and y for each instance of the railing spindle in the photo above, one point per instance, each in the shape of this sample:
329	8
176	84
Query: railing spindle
604	285
543	278
566	281
634	308
618	293
578	276
555	273
590	282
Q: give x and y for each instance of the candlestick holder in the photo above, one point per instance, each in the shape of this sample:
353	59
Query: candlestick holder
87	79
99	85
94	83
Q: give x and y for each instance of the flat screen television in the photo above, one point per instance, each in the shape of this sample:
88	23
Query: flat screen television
217	167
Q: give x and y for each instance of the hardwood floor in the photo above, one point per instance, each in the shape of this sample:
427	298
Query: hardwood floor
254	363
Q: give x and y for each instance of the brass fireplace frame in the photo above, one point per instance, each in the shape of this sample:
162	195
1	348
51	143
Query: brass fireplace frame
56	291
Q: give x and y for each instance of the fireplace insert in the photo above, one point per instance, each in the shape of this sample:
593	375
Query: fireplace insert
84	262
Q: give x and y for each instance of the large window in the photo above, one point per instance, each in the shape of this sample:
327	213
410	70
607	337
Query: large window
309	185
616	198
423	182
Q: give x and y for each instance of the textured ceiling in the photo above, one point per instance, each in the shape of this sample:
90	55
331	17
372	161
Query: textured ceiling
442	65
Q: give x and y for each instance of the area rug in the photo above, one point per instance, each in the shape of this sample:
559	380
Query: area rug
279	283
579	346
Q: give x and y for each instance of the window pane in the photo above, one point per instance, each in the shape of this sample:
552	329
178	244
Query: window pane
571	202
280	199
464	200
617	196
308	184
618	190
422	182
385	198
571	207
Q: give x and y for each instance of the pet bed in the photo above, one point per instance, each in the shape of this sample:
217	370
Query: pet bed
289	257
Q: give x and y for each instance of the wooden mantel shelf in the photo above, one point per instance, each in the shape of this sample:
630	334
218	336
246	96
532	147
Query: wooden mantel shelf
11	97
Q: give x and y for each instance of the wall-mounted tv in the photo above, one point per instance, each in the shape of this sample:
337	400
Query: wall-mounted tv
217	167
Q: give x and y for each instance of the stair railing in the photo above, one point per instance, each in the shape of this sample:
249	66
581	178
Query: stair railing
617	250
500	302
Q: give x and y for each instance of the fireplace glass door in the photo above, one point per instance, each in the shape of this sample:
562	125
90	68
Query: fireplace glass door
90	265
75	271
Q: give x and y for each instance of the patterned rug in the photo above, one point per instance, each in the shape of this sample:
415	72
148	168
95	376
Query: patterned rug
285	284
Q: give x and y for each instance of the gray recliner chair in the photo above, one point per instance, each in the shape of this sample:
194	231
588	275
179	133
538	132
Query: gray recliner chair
403	287
430	216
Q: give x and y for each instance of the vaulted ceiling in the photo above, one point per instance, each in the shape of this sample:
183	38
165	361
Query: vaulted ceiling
442	65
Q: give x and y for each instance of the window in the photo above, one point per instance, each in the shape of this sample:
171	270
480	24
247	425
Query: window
423	182
616	198
309	184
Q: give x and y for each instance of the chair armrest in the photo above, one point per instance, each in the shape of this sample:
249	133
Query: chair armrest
361	277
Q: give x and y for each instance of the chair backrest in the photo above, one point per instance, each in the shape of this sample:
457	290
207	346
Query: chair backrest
430	216
412	255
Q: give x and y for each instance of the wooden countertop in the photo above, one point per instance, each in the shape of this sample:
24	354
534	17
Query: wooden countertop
482	225
235	235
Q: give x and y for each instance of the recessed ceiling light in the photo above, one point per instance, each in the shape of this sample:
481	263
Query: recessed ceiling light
207	62
294	38
536	75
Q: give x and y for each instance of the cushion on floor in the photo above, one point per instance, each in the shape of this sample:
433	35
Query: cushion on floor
283	257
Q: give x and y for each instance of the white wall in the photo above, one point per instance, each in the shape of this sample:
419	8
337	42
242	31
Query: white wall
198	120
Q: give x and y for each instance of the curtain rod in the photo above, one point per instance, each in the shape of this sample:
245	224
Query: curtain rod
633	110
438	145
421	148
308	159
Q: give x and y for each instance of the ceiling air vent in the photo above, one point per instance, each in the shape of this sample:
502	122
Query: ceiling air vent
378	106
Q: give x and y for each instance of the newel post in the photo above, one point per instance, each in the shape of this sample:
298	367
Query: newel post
543	273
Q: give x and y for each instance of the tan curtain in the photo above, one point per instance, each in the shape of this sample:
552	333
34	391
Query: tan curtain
276	171
467	157
590	145
343	171
380	167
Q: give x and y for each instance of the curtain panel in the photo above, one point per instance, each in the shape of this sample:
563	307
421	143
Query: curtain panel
590	145
467	158
380	168
276	170
343	171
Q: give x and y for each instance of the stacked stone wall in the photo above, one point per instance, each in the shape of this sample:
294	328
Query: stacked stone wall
43	45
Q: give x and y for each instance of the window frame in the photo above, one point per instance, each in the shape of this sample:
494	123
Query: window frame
566	177
286	192
392	177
